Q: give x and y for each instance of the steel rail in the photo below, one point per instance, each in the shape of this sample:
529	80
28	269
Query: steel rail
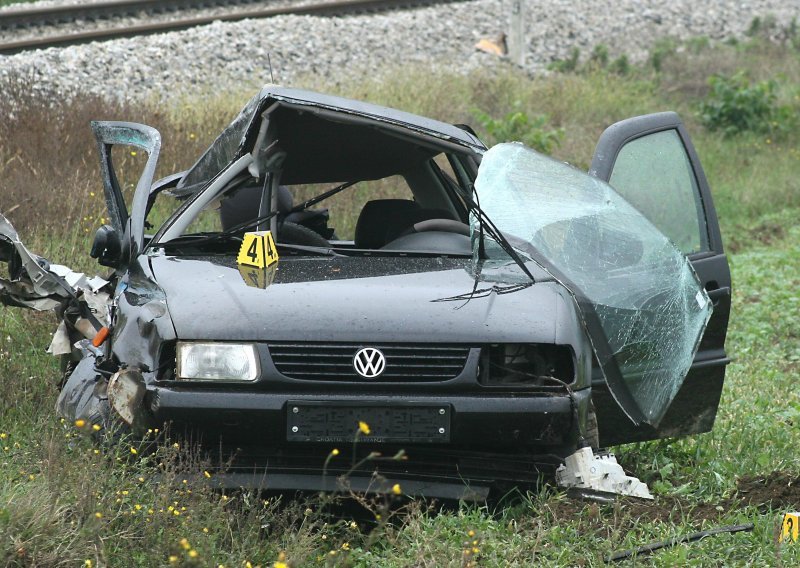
340	7
22	17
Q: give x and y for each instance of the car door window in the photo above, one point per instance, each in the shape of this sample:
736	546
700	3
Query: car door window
654	174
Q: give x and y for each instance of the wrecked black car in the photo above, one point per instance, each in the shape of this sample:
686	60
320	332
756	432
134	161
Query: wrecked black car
340	283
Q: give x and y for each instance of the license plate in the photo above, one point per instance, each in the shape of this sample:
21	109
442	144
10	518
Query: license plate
339	422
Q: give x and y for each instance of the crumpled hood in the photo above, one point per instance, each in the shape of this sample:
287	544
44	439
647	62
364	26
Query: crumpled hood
380	299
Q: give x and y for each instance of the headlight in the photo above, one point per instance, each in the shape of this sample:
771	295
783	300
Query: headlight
217	361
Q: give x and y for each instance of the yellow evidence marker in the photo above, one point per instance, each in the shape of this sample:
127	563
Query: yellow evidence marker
258	250
791	527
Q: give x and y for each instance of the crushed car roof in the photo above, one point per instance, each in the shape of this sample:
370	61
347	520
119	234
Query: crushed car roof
381	113
229	144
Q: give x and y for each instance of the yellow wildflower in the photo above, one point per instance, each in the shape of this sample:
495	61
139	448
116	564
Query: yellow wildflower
173	559
98	515
335	452
207	475
133	451
193	553
363	427
96	427
80	423
185	544
396	489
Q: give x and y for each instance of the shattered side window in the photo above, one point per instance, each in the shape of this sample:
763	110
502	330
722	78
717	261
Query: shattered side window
643	306
223	150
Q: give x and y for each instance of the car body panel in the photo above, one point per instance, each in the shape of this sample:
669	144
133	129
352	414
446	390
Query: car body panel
395	300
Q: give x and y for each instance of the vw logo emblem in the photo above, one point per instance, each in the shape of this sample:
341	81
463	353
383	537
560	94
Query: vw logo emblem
369	362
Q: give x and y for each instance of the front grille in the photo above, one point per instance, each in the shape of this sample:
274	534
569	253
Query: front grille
334	361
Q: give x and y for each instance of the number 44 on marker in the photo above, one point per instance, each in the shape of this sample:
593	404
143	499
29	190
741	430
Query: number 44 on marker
258	249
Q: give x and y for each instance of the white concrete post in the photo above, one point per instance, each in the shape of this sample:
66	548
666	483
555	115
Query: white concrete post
517	50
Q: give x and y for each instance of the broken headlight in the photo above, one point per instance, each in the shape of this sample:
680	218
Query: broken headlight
217	361
534	364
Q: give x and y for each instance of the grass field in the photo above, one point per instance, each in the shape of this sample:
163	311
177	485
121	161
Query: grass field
67	502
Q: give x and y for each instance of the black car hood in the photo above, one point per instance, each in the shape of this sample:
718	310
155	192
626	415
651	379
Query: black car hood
381	299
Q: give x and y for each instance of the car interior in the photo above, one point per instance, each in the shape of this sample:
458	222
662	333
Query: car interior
390	189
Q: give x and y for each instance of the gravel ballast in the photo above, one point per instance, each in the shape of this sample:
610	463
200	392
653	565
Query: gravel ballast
224	54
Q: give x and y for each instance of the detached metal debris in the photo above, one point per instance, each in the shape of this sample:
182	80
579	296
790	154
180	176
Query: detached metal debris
34	283
648	548
600	475
81	302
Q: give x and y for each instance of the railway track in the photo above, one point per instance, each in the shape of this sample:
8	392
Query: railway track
25	19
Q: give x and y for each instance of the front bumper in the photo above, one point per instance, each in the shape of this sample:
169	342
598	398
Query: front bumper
494	440
513	421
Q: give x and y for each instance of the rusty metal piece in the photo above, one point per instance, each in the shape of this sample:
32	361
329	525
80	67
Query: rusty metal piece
126	392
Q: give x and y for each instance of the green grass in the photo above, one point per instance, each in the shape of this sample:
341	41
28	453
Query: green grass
64	500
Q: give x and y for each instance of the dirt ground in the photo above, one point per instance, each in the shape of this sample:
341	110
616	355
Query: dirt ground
778	491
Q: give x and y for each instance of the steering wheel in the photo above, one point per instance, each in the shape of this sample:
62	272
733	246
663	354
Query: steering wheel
444	225
294	234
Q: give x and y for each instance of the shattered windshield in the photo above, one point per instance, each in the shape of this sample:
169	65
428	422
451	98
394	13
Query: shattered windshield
641	302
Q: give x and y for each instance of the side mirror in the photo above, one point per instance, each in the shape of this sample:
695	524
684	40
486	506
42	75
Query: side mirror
107	247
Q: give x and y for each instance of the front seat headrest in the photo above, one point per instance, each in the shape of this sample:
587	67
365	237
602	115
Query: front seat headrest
381	218
244	204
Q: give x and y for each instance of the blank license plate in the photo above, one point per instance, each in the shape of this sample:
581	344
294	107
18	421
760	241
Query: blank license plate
338	422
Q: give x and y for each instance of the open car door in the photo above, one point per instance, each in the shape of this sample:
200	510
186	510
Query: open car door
115	246
651	162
